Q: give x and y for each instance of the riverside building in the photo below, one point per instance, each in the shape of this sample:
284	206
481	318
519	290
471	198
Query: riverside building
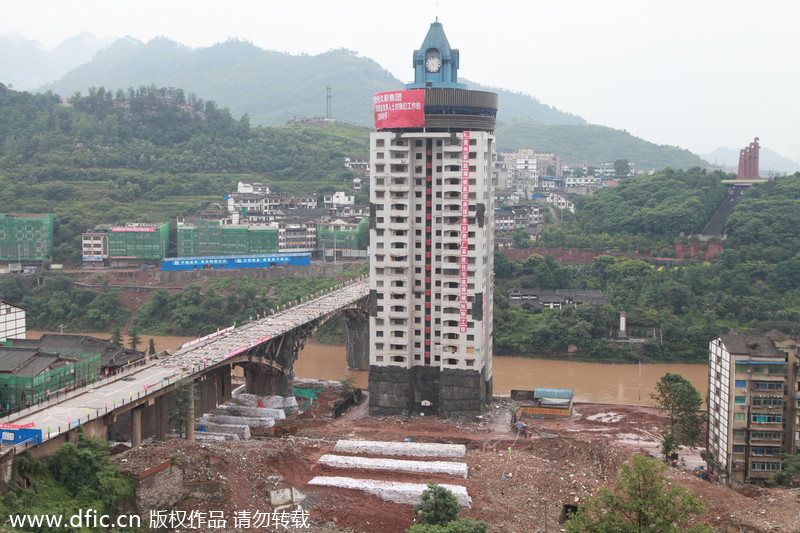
432	241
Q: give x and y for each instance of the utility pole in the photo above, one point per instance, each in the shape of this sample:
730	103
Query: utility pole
640	383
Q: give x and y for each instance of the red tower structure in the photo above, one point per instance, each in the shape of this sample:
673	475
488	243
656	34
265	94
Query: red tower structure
748	161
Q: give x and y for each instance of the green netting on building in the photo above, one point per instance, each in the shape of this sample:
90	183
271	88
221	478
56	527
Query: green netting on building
262	240
188	242
347	239
149	243
19	390
205	238
26	237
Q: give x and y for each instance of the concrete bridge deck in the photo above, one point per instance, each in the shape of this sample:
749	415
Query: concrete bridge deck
138	385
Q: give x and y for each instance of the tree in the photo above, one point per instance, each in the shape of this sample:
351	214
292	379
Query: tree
681	402
643	500
439	506
152	348
116	335
464	525
439	513
621	168
134	339
179	410
789	468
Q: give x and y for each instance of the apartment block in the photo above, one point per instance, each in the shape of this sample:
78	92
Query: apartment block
753	405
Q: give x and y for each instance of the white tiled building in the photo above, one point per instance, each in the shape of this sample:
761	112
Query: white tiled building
12	322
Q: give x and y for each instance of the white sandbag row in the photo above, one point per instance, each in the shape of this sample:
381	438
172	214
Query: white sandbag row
251	412
393	491
399	465
410	449
215	437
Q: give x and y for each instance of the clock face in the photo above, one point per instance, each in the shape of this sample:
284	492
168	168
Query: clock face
432	64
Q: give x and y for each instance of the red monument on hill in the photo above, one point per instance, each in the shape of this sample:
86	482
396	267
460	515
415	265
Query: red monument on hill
748	162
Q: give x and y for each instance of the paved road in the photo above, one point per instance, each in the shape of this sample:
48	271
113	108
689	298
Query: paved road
95	400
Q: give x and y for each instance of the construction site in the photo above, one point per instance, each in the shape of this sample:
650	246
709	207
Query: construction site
361	473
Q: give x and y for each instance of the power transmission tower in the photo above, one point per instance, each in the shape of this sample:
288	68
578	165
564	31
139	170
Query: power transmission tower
328	112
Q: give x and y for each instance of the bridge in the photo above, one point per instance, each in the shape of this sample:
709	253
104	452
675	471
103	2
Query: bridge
266	348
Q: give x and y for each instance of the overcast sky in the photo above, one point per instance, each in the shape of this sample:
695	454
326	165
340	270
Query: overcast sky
698	74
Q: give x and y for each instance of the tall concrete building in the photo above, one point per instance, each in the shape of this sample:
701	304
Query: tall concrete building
431	234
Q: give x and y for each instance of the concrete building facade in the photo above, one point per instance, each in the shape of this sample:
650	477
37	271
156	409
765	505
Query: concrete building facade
753	400
431	234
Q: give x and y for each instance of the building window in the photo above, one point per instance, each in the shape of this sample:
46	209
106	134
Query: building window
739	417
738	448
739	400
765	418
761	465
741	384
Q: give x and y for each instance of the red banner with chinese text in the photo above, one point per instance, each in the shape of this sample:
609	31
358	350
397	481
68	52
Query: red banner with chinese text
399	109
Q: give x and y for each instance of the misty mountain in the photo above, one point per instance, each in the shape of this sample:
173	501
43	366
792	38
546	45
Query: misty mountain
25	64
771	161
271	87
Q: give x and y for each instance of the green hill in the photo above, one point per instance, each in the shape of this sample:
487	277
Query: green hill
151	155
594	144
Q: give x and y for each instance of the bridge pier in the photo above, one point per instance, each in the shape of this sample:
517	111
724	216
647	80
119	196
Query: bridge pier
357	338
136	427
190	415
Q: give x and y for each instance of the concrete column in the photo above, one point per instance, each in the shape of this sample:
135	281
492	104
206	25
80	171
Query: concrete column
190	415
136	427
161	417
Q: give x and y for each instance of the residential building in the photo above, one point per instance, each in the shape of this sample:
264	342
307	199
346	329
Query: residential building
94	248
432	234
555	299
337	199
252	187
356	163
561	200
138	243
12	321
753	405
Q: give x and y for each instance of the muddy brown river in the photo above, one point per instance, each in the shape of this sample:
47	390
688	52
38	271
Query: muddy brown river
592	382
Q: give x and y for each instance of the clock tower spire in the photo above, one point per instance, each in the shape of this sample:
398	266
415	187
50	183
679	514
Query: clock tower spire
435	63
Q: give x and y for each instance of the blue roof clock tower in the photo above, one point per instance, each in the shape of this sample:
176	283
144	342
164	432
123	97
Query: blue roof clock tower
435	63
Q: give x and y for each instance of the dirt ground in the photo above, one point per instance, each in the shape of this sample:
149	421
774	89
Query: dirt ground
516	484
